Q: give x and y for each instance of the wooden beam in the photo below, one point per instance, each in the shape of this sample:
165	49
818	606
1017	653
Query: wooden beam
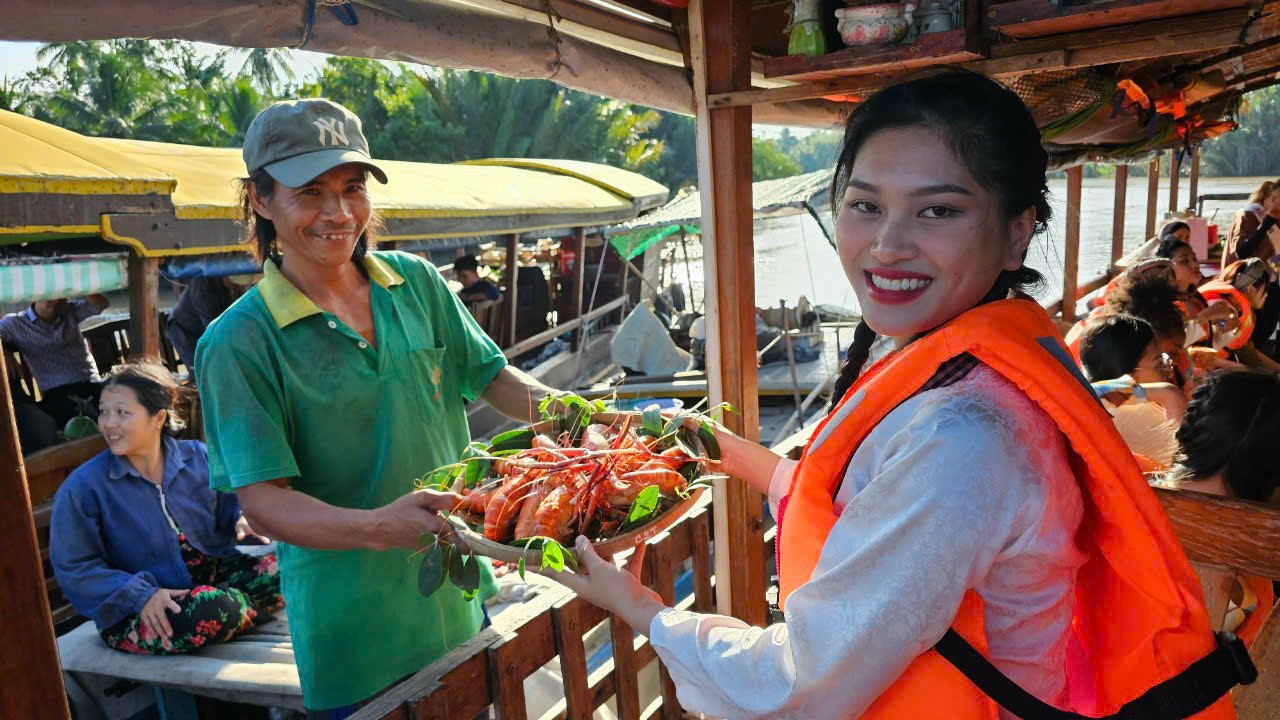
718	34
579	263
510	275
30	674
1071	257
1010	59
952	46
1029	18
1225	533
1117	213
144	306
1175	169
1195	176
1259	74
1242	50
1102	37
1153	190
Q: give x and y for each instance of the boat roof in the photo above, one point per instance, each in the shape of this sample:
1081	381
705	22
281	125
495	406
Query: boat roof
791	195
57	183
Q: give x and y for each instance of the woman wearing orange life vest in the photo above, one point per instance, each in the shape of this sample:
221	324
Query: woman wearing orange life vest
966	491
1243	286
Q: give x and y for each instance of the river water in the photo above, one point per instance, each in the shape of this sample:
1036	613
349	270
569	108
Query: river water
793	258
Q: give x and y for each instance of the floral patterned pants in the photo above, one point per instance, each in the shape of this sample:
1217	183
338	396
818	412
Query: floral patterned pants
228	594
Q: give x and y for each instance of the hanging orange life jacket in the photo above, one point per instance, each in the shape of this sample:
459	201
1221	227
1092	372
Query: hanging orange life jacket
1139	615
1219	290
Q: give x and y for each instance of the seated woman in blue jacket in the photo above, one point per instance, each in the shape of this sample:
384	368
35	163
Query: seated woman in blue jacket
141	545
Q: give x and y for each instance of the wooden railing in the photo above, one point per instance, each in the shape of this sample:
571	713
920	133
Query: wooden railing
489	671
548	335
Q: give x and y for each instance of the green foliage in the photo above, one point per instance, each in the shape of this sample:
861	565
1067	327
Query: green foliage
813	150
768	162
1253	149
170	91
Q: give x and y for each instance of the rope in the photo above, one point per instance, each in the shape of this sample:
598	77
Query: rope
552	18
1255	16
341	9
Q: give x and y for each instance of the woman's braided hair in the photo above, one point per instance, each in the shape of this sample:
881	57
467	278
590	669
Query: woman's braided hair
989	129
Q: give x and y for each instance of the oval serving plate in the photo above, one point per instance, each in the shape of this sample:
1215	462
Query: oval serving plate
481	545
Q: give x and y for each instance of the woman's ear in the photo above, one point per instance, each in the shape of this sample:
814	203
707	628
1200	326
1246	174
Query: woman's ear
1020	231
257	202
162	417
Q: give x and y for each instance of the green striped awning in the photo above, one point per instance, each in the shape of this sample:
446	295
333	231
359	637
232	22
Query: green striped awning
31	279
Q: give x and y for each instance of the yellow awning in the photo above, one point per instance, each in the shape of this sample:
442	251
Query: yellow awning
41	158
202	184
207	187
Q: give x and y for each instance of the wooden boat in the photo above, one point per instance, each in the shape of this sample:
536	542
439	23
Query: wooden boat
1064	58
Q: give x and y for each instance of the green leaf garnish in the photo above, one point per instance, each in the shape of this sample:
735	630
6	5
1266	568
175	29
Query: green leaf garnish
477	464
464	572
511	440
651	421
706	434
644	509
552	556
432	570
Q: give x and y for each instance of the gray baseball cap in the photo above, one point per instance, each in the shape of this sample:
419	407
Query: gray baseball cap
298	140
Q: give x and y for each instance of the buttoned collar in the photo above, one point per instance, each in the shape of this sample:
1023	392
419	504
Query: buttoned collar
287	304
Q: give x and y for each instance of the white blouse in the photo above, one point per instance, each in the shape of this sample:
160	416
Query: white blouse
960	487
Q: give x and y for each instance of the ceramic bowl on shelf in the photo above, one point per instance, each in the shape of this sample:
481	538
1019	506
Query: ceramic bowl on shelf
878	24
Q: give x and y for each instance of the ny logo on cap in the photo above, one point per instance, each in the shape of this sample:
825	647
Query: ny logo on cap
333	129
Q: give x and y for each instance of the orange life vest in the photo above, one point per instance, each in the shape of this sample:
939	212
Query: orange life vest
1219	290
1139	614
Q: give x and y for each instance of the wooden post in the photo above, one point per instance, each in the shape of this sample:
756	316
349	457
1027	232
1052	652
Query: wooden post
720	55
579	264
144	303
30	674
1175	166
509	304
1071	258
1195	177
1117	214
1153	191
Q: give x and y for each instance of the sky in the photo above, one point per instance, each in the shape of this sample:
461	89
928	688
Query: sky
18	58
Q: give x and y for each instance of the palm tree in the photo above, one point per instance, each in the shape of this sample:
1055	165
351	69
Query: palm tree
269	67
235	104
13	95
118	97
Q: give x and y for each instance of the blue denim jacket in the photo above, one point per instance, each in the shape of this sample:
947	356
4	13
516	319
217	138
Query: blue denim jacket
109	540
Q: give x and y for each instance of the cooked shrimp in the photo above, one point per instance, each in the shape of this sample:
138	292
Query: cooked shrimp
504	507
555	514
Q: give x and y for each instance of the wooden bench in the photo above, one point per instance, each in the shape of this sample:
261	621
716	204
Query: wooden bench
46	471
488	315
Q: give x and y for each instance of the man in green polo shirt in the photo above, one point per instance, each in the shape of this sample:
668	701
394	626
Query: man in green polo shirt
327	389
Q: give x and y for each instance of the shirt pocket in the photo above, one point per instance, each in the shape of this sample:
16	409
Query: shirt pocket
426	378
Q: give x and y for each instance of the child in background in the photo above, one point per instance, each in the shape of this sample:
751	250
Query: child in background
1121	355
